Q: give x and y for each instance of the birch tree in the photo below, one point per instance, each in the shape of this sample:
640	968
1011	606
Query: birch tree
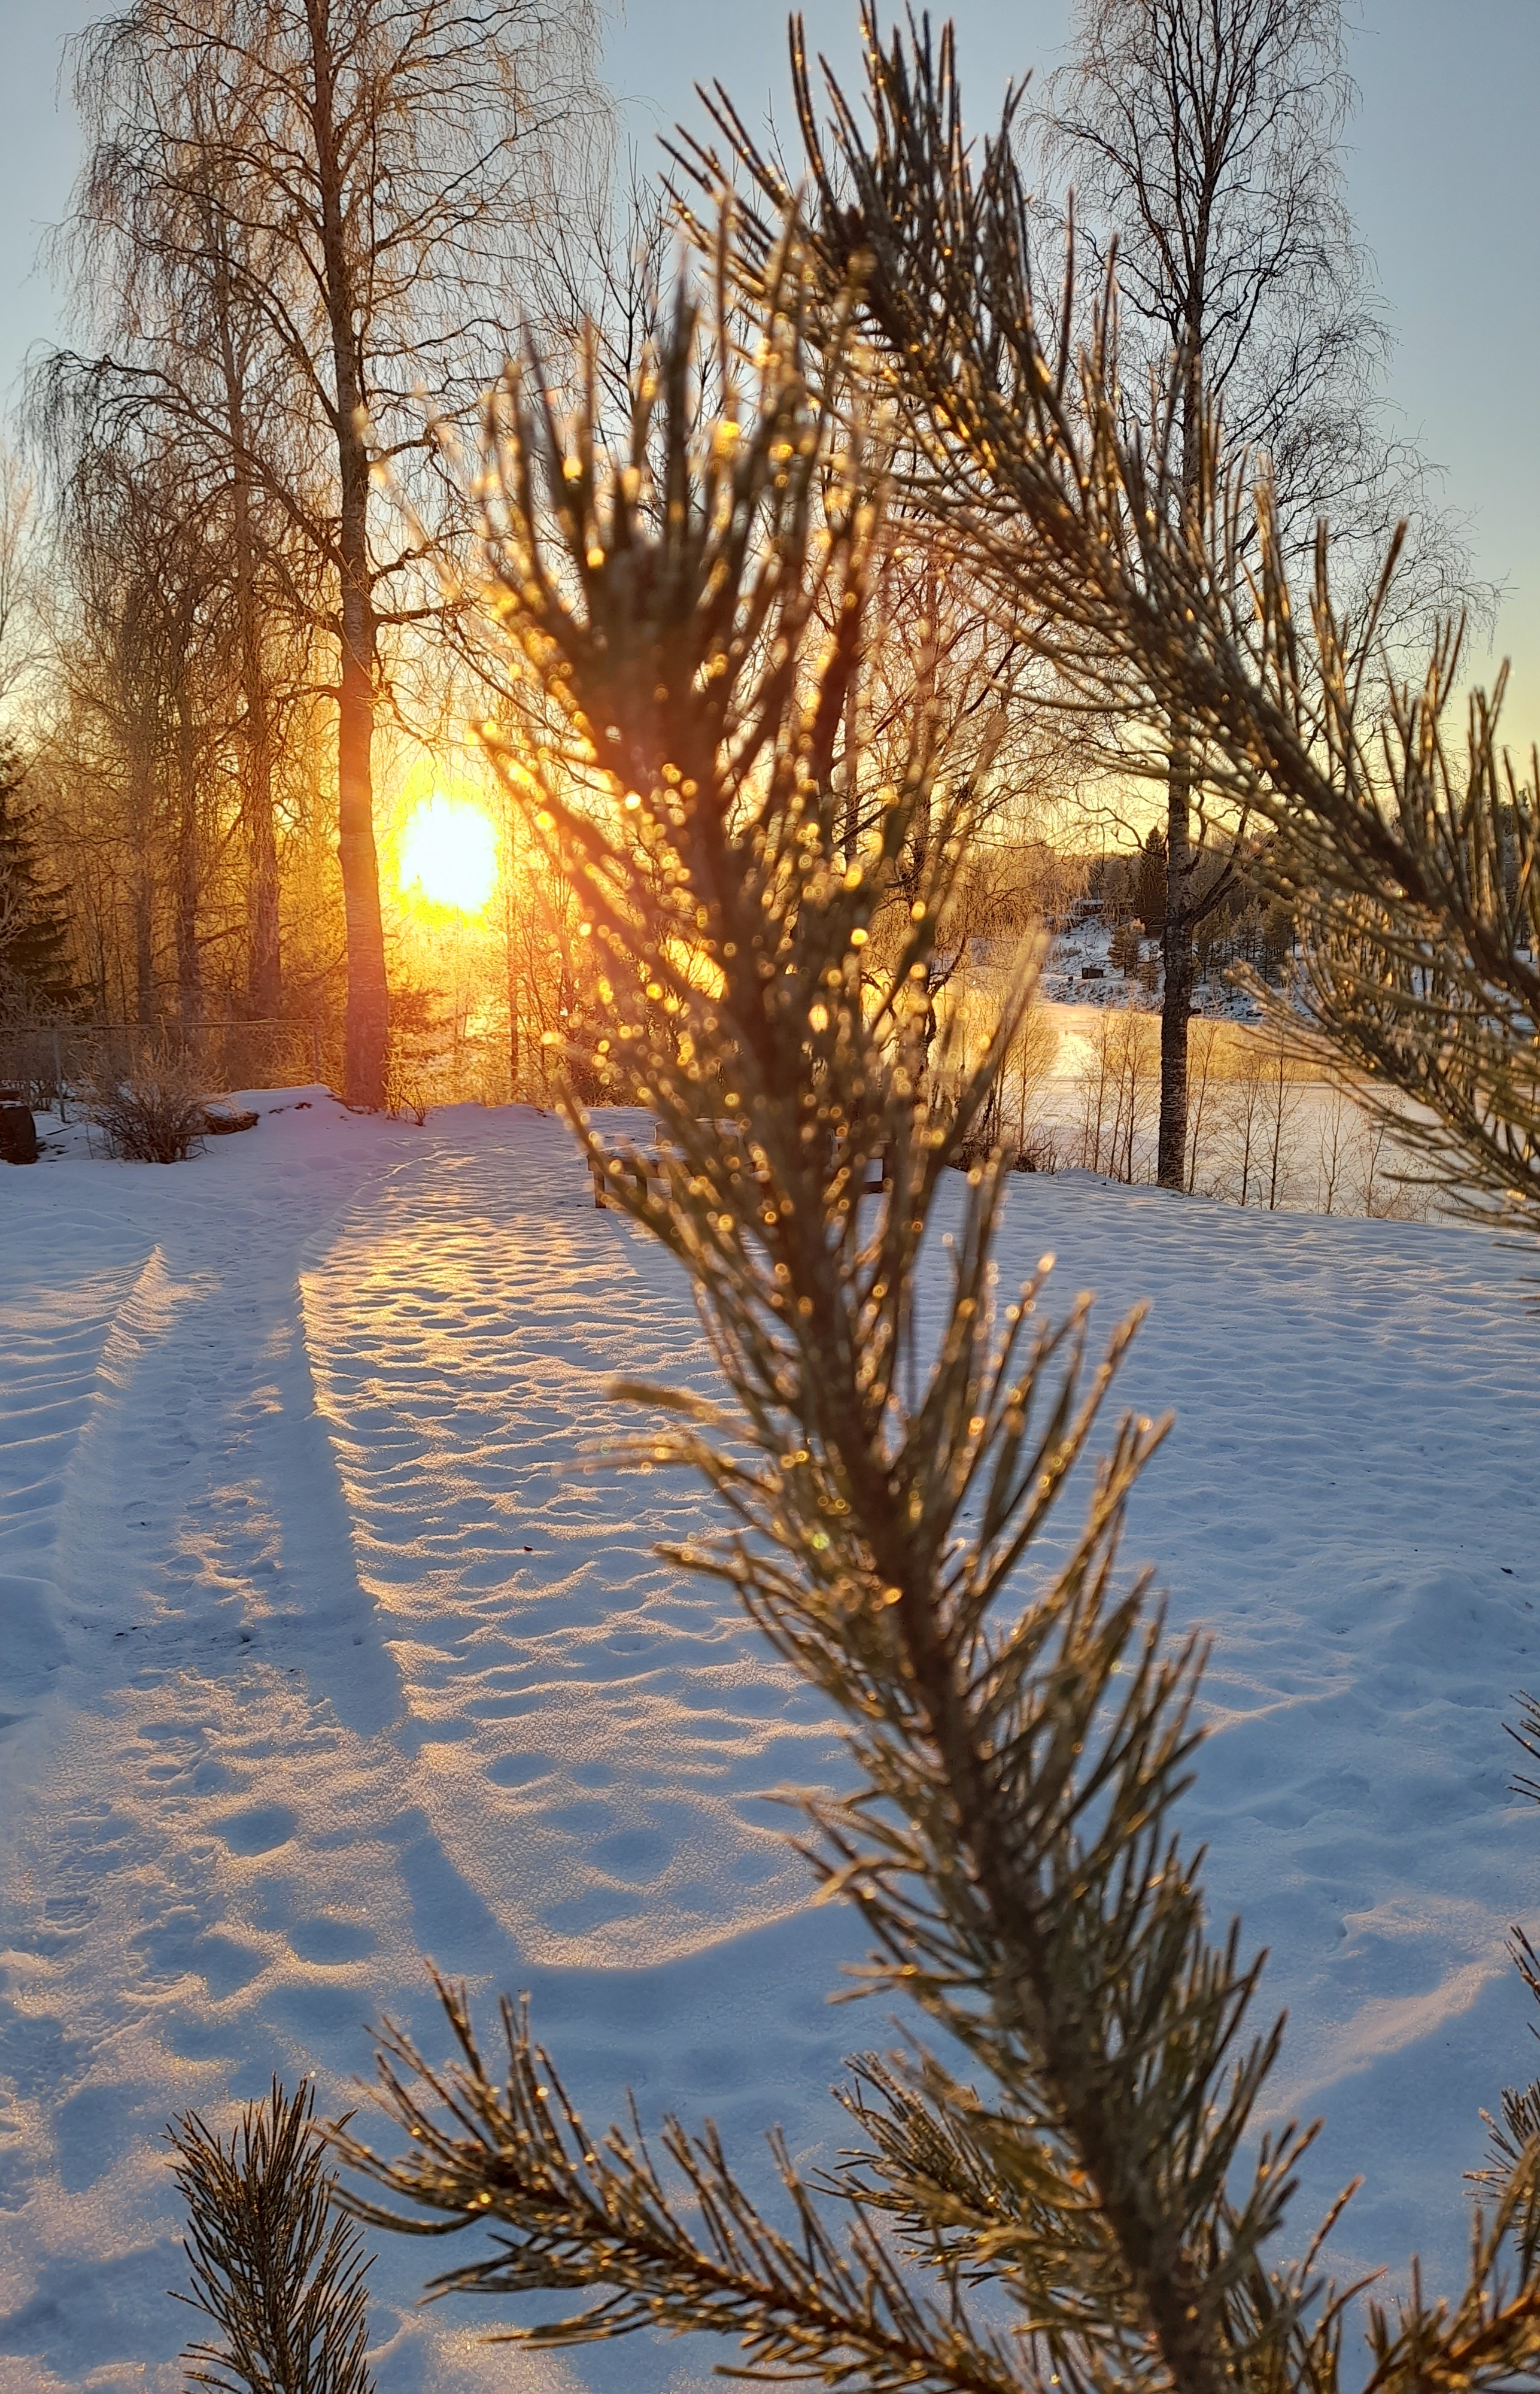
1203	142
1203	139
141	675
1414	854
350	182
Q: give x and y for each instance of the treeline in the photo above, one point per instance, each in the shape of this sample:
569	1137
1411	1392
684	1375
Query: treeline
240	591
301	243
1237	919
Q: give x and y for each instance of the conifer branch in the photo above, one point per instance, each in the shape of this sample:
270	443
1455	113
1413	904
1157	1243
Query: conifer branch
281	2280
595	2211
1020	1735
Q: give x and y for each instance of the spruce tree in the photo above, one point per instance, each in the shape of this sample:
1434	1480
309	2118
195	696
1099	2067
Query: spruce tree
1150	884
36	981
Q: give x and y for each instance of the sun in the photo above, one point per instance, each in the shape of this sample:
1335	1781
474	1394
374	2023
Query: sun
448	854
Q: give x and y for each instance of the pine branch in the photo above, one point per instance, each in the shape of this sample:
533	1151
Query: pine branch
1021	1736
282	2281
1156	578
1010	1849
593	2211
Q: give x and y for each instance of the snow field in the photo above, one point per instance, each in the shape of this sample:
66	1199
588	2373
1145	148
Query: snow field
320	1651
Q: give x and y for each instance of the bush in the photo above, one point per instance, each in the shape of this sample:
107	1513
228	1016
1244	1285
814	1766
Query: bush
153	1116
408	1096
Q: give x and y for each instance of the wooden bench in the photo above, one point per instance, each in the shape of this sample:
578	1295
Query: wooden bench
634	1164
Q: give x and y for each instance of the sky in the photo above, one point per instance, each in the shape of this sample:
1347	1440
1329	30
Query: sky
1441	181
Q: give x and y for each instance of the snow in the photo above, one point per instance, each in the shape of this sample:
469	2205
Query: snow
322	1649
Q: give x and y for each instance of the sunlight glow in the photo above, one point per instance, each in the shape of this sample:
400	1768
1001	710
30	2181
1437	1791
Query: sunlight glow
449	854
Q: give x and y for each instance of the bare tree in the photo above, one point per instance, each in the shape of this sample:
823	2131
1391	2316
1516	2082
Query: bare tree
189	370
77	405
1422	862
124	655
1203	140
20	558
350	182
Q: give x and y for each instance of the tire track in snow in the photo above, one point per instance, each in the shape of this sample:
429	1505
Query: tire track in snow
210	1682
52	1338
245	1826
602	1731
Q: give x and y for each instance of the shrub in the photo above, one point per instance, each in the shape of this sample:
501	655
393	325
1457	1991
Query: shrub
407	1094
155	1115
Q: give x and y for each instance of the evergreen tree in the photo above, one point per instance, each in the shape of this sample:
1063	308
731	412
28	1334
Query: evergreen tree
36	978
1150	887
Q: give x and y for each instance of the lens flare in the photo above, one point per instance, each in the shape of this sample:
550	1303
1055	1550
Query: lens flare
448	855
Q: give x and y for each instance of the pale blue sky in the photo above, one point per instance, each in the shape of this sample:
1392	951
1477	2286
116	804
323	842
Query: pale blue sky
1441	176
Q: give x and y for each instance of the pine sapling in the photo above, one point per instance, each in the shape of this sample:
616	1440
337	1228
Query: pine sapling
281	2278
1085	2201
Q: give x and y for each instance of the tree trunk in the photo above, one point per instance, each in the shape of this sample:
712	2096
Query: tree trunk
510	954
189	970
852	753
1178	960
144	888
1176	936
367	1023
264	957
515	1066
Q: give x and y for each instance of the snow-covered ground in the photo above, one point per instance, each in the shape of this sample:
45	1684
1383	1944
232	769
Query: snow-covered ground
318	1652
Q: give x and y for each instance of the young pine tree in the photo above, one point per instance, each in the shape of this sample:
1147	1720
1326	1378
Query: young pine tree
279	2278
1082	2200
